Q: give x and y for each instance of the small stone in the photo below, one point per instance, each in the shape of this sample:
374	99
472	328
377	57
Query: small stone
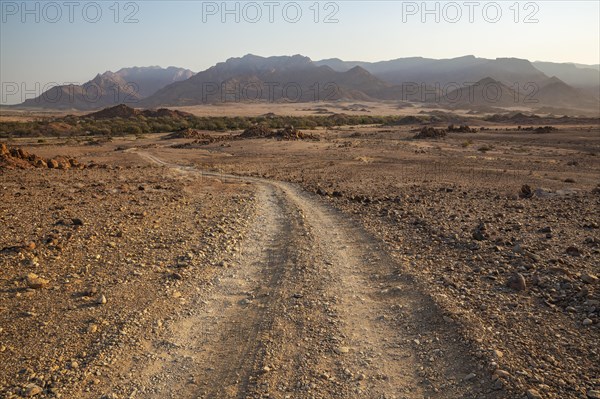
52	163
526	191
517	282
101	300
587	322
501	374
499	384
573	251
176	276
32	390
533	394
469	377
589	278
478	235
35	282
593	394
92	328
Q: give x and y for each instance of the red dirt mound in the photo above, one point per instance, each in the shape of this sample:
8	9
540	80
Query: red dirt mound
256	131
17	158
291	133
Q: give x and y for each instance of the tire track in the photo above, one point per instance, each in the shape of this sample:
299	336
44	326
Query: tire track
314	308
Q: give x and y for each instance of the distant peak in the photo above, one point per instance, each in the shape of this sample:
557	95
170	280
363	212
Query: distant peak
358	70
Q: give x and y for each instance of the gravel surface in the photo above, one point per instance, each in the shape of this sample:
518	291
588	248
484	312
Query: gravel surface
364	265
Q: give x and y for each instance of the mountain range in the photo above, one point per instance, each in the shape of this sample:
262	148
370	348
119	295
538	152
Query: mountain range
458	82
127	85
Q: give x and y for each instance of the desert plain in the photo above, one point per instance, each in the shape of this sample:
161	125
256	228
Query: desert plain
355	262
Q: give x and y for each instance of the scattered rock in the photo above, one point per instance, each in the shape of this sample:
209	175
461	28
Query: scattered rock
573	251
587	322
32	390
101	300
258	130
77	222
526	191
461	129
501	374
189	133
517	282
291	133
593	394
478	235
589	278
92	328
430	133
35	282
52	163
533	394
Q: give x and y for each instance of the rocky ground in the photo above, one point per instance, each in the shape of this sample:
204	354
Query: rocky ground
116	251
391	267
518	271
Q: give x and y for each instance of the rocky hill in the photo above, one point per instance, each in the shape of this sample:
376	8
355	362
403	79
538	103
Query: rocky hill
127	86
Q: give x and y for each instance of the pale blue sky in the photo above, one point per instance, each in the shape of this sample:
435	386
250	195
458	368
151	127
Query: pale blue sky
174	33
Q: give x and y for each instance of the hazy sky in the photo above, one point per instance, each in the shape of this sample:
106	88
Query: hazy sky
71	41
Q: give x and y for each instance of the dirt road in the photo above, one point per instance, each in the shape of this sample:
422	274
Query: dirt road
311	307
